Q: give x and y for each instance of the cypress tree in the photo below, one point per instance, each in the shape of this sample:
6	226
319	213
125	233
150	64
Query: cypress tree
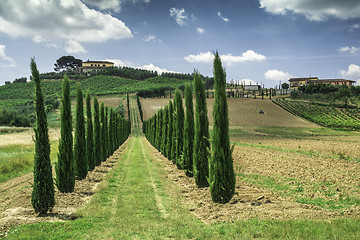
164	130
201	141
169	140
159	119
128	104
65	167
221	172
81	164
179	128
89	134
107	132
42	197
97	140
173	135
102	132
188	132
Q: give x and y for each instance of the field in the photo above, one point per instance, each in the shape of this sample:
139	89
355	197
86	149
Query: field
295	180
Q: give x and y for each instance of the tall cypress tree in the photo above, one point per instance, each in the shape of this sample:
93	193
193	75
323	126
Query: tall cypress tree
97	140
188	132
89	134
164	130
81	164
65	167
102	132
107	132
221	171
128	104
42	197
201	141
179	128
169	140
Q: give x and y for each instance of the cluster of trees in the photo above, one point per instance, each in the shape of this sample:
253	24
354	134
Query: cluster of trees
96	138
184	138
154	92
24	115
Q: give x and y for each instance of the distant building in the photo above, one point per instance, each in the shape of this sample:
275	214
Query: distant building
297	82
252	87
90	66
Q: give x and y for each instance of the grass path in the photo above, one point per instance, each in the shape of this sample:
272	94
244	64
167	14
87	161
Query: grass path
138	201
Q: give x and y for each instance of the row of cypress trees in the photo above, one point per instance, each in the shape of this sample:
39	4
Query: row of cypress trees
93	143
185	140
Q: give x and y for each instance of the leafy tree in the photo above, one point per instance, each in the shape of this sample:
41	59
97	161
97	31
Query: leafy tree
81	164
179	128
67	62
188	132
221	172
89	134
97	139
169	140
201	141
65	172
20	80
42	197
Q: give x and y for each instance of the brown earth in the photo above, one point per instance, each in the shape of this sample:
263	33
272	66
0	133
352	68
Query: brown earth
249	201
15	197
243	112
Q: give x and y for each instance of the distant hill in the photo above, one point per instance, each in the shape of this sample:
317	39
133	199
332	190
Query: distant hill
97	85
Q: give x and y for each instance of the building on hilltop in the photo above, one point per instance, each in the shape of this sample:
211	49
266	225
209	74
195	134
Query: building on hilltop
90	66
295	83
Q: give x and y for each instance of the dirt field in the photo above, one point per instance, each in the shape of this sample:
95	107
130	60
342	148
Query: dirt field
243	112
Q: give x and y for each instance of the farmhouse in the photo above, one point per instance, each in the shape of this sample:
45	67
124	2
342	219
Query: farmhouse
90	66
252	87
297	82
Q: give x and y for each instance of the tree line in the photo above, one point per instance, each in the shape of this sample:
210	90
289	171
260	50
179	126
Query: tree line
184	137
96	138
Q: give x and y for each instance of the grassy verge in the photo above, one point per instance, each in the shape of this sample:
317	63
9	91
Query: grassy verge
16	160
137	201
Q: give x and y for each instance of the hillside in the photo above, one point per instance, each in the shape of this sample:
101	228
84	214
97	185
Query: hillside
243	112
97	85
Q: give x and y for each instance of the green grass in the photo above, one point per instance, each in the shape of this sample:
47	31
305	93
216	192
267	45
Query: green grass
299	189
137	202
16	160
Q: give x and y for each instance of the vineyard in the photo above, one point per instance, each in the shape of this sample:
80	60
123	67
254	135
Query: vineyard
324	115
97	85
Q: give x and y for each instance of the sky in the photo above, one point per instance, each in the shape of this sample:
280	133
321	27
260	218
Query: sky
263	41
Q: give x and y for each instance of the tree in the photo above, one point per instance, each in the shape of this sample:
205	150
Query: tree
42	197
81	164
89	134
102	132
67	62
221	171
108	153
188	132
164	130
201	140
65	172
169	140
179	128
128	104
97	140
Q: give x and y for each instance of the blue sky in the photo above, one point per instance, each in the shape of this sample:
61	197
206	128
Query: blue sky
262	40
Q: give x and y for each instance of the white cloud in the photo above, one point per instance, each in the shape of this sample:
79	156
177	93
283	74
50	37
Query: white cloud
354	27
200	30
152	67
179	15
353	72
149	38
55	21
277	75
314	10
6	61
222	17
105	4
349	49
74	47
208	57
